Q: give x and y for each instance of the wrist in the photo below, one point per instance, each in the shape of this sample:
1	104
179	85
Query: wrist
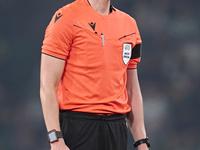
145	143
60	141
143	146
54	136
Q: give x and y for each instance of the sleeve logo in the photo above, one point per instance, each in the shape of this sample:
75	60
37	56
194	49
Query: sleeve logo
126	55
57	17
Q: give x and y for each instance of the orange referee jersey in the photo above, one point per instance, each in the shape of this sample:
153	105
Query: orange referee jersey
98	49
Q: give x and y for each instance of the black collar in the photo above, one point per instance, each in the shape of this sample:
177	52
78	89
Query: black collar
112	8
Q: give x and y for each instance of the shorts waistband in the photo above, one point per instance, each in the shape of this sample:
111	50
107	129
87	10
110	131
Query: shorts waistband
91	116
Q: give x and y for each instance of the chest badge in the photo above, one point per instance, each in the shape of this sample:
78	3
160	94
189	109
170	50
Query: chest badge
127	49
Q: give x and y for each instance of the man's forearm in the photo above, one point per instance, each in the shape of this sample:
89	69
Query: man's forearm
135	118
51	72
135	121
50	108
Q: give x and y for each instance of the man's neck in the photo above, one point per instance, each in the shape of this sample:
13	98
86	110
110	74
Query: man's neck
101	6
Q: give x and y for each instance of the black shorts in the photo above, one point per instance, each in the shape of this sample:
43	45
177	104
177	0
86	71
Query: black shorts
85	131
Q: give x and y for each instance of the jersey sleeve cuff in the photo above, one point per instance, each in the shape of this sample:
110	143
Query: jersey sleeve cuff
54	54
132	66
133	63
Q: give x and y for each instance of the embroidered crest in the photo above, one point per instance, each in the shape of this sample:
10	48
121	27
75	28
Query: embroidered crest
127	49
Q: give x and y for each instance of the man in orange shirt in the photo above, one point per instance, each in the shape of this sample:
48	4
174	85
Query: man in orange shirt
89	80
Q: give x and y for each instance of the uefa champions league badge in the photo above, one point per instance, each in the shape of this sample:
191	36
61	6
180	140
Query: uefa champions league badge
127	47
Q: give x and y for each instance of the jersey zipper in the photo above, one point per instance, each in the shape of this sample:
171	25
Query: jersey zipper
125	36
77	26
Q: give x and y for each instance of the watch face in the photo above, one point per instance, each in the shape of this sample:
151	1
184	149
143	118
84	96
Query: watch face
52	137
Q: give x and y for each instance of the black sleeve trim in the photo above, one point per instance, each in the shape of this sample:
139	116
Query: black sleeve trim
137	51
54	56
131	68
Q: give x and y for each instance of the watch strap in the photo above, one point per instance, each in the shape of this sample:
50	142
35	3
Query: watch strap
146	140
59	134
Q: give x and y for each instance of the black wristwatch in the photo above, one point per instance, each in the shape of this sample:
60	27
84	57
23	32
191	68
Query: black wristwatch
146	140
54	135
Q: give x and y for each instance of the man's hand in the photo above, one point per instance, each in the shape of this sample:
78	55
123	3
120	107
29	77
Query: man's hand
59	145
143	147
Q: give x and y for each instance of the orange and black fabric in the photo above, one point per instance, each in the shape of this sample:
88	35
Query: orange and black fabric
98	49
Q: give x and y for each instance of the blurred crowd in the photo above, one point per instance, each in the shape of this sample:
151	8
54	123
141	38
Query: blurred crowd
169	71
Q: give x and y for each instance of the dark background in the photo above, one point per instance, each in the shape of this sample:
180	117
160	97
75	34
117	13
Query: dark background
169	72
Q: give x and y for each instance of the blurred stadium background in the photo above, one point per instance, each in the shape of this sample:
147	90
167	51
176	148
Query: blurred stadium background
169	72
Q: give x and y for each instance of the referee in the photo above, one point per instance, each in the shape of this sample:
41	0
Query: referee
88	84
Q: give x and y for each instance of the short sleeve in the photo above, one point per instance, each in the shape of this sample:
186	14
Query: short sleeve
58	36
137	49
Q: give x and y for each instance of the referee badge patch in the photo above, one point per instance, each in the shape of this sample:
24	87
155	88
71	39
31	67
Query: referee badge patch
126	55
